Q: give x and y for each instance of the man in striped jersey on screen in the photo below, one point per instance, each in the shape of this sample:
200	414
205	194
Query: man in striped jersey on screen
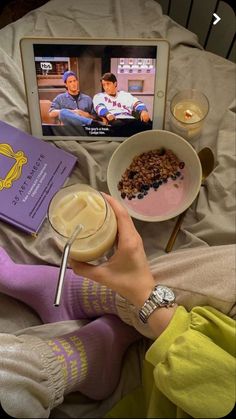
125	113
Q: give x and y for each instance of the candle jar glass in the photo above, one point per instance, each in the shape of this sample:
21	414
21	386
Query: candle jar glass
81	204
188	110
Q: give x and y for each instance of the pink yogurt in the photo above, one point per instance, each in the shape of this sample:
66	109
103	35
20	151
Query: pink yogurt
162	201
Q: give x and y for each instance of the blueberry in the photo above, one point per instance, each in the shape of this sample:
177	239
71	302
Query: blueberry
173	177
140	196
164	179
146	187
155	185
123	195
181	165
131	174
177	174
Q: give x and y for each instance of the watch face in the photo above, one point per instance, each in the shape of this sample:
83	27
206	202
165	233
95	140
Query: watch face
165	293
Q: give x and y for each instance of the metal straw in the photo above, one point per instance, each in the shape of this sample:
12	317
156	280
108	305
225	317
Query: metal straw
63	266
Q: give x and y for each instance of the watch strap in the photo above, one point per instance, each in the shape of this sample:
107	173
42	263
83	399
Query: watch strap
147	309
151	304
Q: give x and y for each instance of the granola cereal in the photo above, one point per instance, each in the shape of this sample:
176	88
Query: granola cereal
149	170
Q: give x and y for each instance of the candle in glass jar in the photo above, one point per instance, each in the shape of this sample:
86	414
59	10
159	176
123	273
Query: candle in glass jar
188	111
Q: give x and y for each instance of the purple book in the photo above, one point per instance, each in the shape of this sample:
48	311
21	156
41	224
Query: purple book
31	172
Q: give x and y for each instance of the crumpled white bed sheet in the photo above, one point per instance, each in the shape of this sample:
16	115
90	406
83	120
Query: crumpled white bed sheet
211	218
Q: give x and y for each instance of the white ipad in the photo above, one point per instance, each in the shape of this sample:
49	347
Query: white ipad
94	89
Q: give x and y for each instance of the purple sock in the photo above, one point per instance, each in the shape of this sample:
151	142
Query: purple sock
91	358
35	285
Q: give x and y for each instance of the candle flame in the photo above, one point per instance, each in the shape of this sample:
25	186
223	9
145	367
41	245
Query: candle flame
188	114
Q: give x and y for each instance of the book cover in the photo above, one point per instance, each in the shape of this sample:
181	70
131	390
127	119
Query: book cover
31	172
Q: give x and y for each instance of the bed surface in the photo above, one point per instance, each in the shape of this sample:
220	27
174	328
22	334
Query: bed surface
211	218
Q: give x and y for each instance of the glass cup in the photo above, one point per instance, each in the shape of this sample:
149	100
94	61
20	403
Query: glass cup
80	204
188	110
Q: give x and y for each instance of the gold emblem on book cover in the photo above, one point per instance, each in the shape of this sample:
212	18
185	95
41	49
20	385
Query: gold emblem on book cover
19	159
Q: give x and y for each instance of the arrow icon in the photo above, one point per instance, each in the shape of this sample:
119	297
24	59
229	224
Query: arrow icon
217	18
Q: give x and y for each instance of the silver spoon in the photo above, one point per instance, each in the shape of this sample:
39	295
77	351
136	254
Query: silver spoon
63	266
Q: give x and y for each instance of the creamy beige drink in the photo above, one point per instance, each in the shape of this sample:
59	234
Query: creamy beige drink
82	205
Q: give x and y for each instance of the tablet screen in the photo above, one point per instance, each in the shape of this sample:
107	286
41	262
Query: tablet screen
94	90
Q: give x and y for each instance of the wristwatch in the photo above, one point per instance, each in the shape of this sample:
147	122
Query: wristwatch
161	296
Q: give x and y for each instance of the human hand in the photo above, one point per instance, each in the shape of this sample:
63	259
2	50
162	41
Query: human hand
144	116
127	271
110	117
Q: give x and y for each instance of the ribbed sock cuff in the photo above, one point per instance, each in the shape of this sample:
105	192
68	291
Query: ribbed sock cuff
87	299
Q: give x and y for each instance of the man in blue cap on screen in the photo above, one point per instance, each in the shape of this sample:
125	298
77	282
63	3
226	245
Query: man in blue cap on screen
74	108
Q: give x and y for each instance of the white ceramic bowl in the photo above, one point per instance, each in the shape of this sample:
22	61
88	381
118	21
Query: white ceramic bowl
151	140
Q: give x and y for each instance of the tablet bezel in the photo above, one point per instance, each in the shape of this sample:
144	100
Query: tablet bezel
31	87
